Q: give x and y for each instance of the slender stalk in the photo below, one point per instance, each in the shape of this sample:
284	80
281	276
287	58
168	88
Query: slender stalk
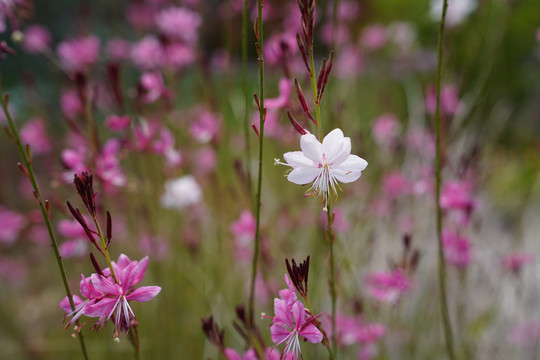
27	161
104	248
314	87
259	181
442	267
246	95
333	293
134	339
317	322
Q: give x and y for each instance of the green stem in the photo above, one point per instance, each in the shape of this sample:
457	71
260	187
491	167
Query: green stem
259	181
104	248
442	267
54	244
246	95
333	294
325	340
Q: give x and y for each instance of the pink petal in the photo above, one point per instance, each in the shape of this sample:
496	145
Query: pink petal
312	334
278	333
66	306
144	293
299	314
103	284
282	312
311	148
139	271
231	354
103	307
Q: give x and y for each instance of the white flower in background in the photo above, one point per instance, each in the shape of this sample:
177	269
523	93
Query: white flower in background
324	164
456	12
181	193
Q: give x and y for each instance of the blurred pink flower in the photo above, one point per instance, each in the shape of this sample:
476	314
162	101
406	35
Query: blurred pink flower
272	127
71	103
243	231
324	163
457	249
342	35
279	46
349	63
164	145
108	165
154	87
147	53
347	10
180	23
11	223
37	39
34	134
117	123
79	53
206	127
395	185
118	49
374	37
450	102
340	224
13	271
282	100
421	141
206	160
179	55
289	323
385	130
231	354
515	261
526	334
74	248
458	195
140	15
388	286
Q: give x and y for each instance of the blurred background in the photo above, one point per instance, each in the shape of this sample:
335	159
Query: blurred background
141	96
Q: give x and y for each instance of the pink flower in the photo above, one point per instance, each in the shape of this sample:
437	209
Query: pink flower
243	230
388	286
283	99
147	54
108	165
78	54
118	49
11	223
355	330
374	37
457	249
278	47
458	195
36	39
71	103
349	63
154	87
231	354
180	23
34	133
206	159
515	261
340	224
164	145
526	334
74	248
206	127
449	100
117	123
395	185
108	298
385	130
289	323
179	55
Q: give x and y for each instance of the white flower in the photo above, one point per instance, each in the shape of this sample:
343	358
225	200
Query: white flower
324	164
181	193
456	12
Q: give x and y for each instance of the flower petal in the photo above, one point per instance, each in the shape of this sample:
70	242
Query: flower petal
311	147
303	175
297	159
350	169
103	284
312	334
139	271
144	293
279	333
282	313
66	306
103	307
299	314
336	145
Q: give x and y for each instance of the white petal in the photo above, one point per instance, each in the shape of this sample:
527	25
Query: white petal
349	170
303	175
296	159
342	154
333	144
311	147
